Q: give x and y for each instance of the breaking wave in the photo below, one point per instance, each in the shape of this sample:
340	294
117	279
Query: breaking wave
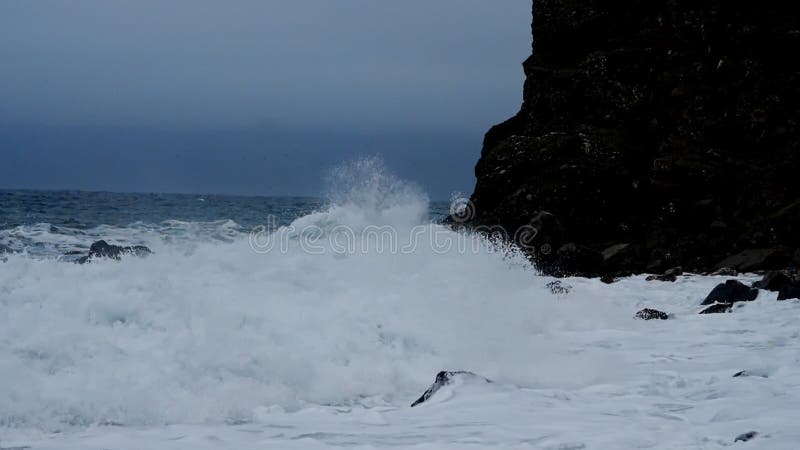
214	332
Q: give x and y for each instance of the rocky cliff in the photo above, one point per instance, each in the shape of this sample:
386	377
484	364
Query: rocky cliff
653	134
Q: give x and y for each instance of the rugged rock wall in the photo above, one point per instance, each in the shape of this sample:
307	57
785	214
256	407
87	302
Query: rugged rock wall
654	133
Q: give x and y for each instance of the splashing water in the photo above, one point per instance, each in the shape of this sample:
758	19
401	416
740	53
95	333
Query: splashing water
341	344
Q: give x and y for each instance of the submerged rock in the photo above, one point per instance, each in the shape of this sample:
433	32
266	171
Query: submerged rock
730	292
443	379
558	288
102	249
749	436
718	308
651	314
747	373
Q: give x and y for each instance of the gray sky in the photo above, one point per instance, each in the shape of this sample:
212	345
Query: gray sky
252	97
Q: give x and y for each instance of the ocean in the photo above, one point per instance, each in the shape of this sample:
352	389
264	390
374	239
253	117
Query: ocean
315	323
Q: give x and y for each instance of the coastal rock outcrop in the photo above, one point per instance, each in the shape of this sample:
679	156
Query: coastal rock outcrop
653	134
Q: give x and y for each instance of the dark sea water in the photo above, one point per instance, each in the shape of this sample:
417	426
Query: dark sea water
59	223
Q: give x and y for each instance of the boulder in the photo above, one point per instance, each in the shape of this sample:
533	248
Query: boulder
443	379
774	281
652	314
790	291
102	249
730	292
758	259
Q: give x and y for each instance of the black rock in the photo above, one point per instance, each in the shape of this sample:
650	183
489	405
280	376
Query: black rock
773	281
620	257
581	260
746	373
758	259
445	378
718	308
608	279
101	249
724	272
651	314
670	126
790	291
730	292
558	288
669	276
747	436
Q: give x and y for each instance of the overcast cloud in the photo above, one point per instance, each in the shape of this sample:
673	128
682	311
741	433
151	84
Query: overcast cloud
244	91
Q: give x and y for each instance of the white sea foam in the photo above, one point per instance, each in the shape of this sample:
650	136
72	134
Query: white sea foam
310	351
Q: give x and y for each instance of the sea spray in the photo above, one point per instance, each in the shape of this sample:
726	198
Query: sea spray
215	334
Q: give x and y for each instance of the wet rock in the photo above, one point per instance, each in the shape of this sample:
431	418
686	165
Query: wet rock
582	260
620	257
758	259
5	249
669	276
724	272
102	249
790	291
774	281
558	288
718	308
652	314
749	436
608	279
730	292
445	378
746	373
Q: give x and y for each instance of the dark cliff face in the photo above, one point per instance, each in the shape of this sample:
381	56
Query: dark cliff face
663	132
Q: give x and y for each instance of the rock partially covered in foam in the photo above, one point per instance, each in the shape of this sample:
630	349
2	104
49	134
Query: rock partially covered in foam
558	288
749	436
102	249
652	314
445	378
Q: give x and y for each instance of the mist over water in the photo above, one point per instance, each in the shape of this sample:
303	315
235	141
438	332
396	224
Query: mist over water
214	332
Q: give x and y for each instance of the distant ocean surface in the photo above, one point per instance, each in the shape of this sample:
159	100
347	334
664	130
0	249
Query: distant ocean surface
62	224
